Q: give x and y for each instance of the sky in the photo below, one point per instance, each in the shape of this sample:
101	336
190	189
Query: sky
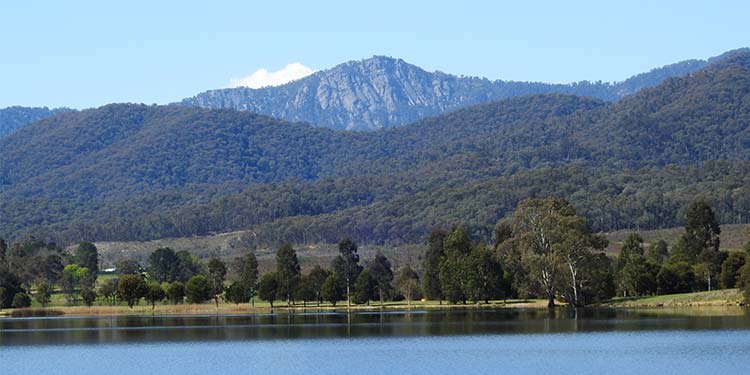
83	54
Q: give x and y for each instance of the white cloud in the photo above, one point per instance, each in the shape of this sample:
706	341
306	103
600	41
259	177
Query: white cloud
264	78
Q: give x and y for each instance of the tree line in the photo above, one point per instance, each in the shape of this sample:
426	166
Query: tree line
544	250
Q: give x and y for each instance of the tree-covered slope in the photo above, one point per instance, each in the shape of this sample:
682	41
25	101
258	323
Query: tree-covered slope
123	149
135	172
403	208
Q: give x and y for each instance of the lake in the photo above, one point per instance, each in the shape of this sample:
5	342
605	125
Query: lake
698	341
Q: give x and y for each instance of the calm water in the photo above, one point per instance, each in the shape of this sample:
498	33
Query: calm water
417	342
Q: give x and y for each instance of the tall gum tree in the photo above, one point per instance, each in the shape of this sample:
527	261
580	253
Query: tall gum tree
554	245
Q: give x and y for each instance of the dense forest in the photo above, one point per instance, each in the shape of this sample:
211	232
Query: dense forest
127	172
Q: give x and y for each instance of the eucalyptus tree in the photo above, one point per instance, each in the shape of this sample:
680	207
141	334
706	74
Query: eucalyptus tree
246	273
43	292
217	271
364	288
268	287
163	265
86	255
382	274
554	245
198	289
631	265
484	275
287	272
730	269
452	271
431	266
407	283
699	244
346	266
332	290
154	293
131	288
316	277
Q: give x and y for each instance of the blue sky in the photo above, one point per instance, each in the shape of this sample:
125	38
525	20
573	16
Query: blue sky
89	53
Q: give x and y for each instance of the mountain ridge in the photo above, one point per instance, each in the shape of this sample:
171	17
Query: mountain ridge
16	117
382	92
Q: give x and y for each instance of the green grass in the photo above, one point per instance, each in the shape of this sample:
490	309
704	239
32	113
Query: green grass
102	277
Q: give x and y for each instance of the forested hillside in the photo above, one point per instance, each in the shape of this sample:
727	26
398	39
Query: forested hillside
140	172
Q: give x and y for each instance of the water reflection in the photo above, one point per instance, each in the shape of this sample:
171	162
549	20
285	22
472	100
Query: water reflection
297	325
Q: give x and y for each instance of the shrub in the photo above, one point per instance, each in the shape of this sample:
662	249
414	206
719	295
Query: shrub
743	282
88	295
198	289
131	288
175	292
21	300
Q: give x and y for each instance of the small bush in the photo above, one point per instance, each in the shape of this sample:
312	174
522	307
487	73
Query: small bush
743	282
21	300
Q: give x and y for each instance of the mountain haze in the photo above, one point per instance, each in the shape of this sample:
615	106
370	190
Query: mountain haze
383	92
12	118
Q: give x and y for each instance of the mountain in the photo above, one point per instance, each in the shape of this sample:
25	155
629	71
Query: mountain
383	92
12	118
127	171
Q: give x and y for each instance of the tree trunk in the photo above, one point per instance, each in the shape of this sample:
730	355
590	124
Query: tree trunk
348	298
573	274
551	302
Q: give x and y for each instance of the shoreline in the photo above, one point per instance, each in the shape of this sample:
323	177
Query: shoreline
248	309
671	303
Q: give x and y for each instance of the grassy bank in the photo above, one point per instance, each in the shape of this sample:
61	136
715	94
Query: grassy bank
673	302
725	297
263	307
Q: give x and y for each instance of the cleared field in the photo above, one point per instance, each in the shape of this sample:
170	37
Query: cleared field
733	237
724	297
229	245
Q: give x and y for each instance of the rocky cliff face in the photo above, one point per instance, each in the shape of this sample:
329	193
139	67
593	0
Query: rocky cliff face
382	92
